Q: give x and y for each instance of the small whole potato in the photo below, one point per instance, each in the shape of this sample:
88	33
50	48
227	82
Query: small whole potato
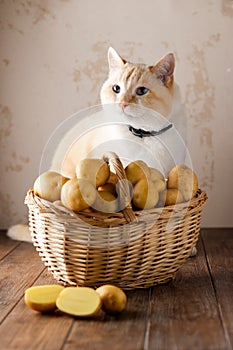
145	194
78	194
94	170
48	185
156	175
105	202
136	171
113	298
160	185
171	196
184	179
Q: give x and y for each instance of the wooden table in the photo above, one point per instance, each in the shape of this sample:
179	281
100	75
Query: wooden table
195	311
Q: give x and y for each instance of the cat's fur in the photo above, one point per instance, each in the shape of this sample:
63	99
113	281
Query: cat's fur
134	108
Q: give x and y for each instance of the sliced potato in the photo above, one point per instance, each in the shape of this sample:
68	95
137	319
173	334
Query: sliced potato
42	298
79	301
113	298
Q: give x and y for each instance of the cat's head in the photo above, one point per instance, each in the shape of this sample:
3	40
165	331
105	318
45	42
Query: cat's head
130	84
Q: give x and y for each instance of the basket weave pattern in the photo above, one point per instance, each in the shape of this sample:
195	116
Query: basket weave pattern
129	249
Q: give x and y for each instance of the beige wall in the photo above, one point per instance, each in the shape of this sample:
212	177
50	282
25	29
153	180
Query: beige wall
53	62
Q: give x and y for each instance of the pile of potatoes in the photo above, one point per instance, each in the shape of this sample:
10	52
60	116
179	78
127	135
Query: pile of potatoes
95	186
151	189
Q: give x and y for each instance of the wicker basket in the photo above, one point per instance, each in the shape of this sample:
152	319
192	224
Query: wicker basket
131	249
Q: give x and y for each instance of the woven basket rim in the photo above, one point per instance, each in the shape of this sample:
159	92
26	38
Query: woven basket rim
127	214
114	219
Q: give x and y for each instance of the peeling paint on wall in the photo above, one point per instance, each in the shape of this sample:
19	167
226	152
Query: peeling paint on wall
200	93
16	163
206	143
37	11
6	124
92	72
200	105
227	8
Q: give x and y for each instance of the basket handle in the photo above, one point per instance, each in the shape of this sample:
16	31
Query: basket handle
124	188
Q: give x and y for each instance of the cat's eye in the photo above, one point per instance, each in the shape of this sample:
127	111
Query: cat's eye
141	90
116	88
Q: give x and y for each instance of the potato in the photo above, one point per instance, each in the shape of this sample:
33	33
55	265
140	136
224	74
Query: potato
106	202
79	301
48	185
156	174
94	170
160	185
42	298
136	171
184	179
145	194
171	196
113	298
78	194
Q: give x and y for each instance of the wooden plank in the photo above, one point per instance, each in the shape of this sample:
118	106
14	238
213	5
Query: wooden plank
218	245
28	329
18	270
192	312
126	331
35	331
6	244
184	314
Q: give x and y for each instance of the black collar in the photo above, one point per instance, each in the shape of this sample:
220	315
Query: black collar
144	133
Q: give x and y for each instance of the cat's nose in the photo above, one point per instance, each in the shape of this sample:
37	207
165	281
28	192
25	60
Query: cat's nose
123	105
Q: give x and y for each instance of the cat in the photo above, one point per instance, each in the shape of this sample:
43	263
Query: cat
144	98
152	126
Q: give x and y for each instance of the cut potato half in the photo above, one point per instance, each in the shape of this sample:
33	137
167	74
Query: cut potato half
79	301
42	298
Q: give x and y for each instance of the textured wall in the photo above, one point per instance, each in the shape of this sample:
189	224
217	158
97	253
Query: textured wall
53	62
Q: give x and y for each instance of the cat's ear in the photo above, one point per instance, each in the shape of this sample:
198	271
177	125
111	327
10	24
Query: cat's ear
164	69
115	61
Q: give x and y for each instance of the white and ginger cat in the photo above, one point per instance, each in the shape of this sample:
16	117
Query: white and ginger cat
136	92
